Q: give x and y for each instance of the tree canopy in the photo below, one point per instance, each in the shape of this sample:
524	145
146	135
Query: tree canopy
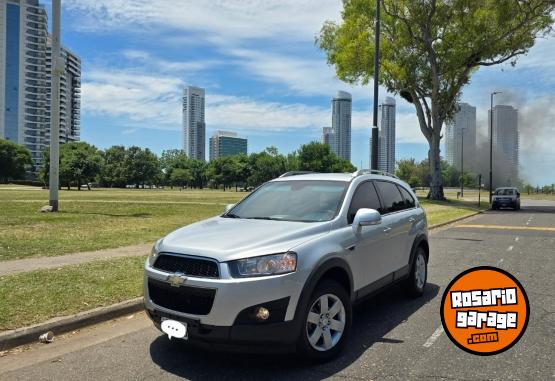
430	49
14	160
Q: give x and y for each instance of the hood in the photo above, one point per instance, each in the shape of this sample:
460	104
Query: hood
227	239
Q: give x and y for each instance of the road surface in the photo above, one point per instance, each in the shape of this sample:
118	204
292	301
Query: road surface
393	337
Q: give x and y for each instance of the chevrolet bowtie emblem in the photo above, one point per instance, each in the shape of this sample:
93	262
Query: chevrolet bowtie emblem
176	279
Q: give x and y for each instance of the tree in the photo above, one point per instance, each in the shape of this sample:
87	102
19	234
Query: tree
14	160
407	170
80	163
113	172
180	176
266	165
171	160
318	157
430	49
142	166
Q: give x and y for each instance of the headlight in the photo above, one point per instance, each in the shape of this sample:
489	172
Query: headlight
154	252
266	265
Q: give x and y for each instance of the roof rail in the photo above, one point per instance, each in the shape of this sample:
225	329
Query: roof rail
361	172
296	173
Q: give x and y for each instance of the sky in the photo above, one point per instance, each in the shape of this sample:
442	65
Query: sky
264	78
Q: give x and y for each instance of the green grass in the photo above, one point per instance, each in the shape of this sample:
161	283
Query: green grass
98	219
37	296
108	218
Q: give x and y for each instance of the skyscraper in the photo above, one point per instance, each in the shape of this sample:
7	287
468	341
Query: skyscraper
225	143
70	95
23	88
505	145
386	142
462	132
328	138
25	79
341	124
194	128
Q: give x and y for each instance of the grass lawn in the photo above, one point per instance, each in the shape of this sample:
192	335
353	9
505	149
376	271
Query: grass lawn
98	219
107	218
37	296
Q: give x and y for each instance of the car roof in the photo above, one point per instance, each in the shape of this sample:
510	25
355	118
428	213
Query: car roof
317	176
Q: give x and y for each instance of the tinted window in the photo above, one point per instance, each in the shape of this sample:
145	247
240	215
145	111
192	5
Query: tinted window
409	200
391	197
365	197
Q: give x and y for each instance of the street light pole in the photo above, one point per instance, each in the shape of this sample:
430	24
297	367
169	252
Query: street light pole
491	144
462	158
374	148
55	108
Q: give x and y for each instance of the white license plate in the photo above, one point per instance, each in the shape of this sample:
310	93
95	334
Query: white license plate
174	328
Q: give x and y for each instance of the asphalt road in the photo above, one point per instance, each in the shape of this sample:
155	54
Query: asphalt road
393	337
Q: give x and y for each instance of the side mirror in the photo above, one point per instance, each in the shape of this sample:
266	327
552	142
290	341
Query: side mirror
228	207
366	217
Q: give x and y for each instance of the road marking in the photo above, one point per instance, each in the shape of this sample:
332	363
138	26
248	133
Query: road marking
516	239
510	248
505	227
432	339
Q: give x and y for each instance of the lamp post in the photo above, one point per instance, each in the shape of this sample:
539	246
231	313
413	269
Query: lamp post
374	148
54	180
462	158
491	144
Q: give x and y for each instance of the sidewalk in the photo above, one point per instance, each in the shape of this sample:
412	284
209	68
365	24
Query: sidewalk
39	263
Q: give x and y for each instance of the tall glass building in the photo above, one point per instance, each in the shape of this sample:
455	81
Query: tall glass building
341	124
194	127
25	71
460	134
23	89
225	143
506	145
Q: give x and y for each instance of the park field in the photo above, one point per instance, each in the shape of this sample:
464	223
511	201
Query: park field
108	218
103	219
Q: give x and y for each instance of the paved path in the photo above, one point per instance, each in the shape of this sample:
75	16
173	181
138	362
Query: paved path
393	338
30	264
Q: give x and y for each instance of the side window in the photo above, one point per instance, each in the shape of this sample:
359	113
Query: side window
409	200
391	197
365	197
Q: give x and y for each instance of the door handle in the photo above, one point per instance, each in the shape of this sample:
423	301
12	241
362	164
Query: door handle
412	219
387	229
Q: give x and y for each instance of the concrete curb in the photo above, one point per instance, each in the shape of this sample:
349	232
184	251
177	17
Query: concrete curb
26	335
436	226
59	325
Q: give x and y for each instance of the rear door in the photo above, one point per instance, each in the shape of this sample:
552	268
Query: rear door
396	224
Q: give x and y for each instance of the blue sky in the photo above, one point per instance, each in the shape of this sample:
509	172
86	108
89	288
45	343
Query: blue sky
264	78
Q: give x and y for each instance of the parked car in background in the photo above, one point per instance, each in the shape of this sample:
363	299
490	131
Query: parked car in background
506	197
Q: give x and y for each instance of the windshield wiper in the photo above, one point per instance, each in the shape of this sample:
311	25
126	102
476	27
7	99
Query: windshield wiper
265	218
231	215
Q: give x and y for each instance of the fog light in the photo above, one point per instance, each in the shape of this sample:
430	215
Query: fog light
261	313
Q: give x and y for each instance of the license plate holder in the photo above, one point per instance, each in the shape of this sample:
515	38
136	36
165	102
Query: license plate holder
174	328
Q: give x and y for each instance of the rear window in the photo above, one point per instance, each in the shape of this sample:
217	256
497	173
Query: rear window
392	200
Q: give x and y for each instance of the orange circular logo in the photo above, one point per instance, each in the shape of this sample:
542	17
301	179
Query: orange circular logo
485	310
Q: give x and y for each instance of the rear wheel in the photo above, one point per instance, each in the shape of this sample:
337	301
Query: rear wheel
416	282
326	322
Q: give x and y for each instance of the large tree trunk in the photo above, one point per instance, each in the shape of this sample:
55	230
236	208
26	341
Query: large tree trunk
436	181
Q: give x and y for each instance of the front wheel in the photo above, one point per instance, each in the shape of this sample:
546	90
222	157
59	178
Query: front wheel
418	275
326	322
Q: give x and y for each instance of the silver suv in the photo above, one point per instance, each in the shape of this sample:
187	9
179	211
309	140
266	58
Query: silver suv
284	266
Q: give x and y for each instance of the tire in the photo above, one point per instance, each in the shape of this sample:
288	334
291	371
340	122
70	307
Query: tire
494	206
318	341
416	282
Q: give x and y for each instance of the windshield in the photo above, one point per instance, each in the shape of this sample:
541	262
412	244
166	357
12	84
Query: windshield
505	192
295	200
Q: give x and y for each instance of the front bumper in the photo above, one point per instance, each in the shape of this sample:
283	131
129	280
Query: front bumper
224	322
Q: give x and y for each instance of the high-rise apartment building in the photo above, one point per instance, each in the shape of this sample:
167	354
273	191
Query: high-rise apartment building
225	143
461	134
194	127
25	79
341	124
386	137
505	145
23	89
328	138
70	94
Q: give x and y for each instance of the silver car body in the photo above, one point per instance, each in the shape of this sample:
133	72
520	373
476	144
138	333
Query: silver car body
377	253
